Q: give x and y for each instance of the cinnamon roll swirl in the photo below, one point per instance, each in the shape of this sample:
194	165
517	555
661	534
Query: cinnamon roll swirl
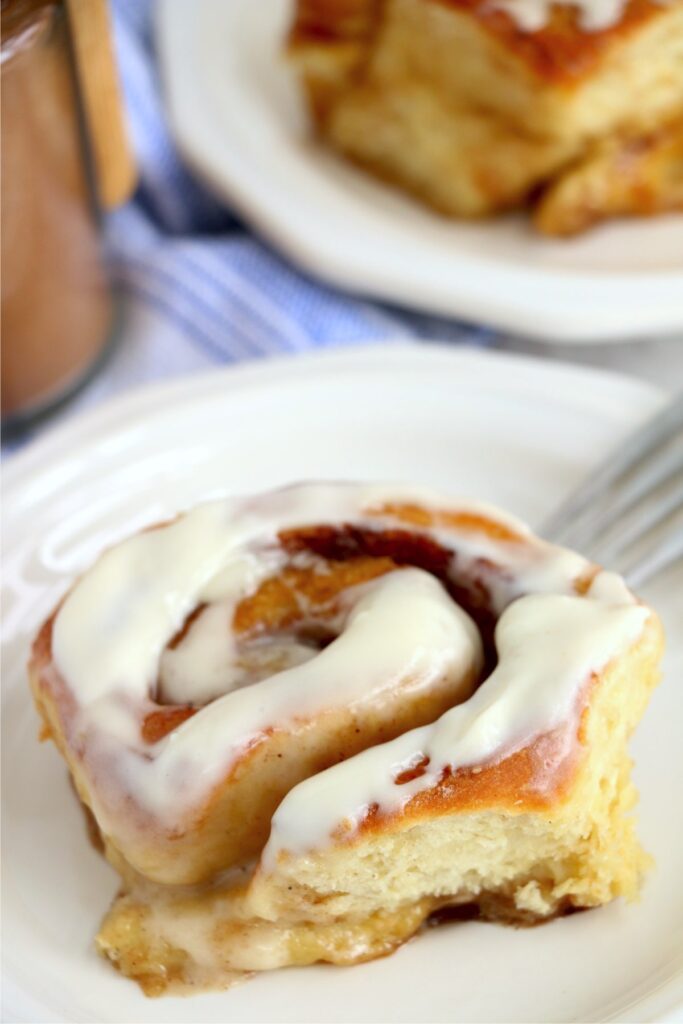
306	721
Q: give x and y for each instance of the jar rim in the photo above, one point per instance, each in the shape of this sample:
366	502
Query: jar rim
24	24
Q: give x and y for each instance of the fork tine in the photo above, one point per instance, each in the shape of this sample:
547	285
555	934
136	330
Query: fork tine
647	495
669	551
566	522
647	522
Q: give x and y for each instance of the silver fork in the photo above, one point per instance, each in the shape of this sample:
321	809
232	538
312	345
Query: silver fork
628	515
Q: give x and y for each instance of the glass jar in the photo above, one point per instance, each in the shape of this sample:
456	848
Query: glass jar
57	304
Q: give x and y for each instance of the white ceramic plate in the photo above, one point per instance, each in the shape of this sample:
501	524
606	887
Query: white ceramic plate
238	119
507	429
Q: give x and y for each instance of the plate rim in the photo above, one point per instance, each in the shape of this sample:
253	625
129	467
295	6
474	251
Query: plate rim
253	373
654	304
665	1001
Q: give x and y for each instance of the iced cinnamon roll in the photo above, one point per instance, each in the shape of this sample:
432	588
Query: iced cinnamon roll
570	107
306	721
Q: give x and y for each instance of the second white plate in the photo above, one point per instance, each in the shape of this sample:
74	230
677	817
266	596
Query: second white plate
239	120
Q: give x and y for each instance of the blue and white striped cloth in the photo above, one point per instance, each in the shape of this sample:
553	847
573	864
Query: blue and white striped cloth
198	289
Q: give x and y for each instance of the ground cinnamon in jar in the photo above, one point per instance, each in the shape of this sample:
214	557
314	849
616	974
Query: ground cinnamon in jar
56	300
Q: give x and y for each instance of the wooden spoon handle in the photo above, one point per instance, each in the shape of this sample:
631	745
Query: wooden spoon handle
91	35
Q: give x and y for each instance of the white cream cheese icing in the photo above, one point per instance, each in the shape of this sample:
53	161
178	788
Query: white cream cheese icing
593	15
111	634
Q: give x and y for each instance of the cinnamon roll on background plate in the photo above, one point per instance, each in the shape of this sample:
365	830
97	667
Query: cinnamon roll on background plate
307	721
478	106
246	107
